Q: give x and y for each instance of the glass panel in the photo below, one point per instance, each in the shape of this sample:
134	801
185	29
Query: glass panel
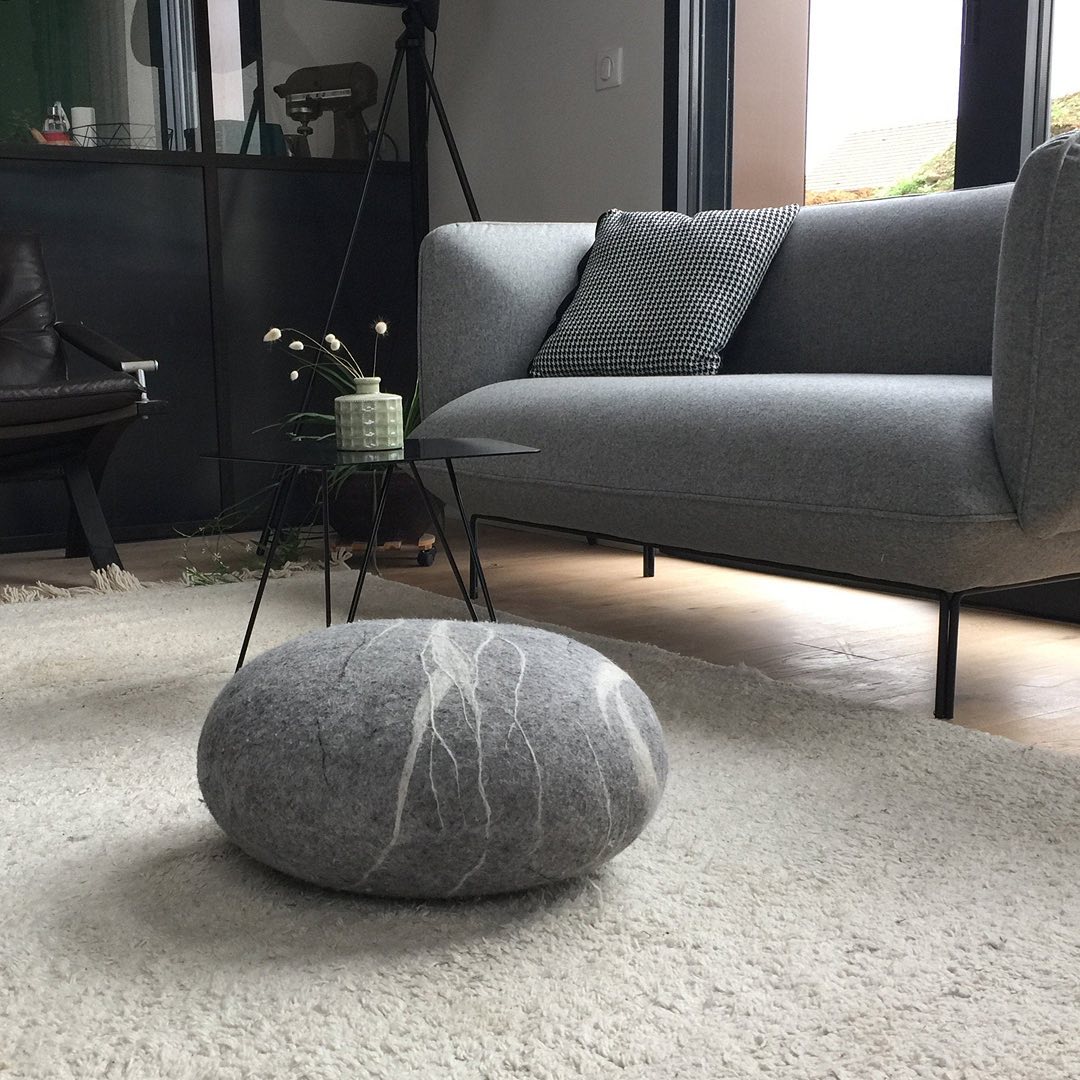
116	73
882	88
304	78
1065	67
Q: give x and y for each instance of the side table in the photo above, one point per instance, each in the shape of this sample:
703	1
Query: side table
295	456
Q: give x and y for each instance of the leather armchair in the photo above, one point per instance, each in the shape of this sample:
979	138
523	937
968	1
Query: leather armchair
53	426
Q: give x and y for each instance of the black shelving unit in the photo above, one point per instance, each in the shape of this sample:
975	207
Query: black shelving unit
188	256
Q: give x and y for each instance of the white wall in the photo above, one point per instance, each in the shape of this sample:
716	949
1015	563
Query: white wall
539	142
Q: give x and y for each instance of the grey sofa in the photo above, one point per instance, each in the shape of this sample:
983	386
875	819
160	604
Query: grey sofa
900	407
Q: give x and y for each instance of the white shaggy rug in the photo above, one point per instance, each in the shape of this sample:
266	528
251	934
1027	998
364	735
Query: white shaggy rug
827	891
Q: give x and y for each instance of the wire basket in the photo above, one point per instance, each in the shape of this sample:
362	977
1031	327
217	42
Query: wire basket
123	136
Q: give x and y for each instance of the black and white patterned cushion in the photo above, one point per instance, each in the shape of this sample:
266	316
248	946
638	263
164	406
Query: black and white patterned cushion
662	293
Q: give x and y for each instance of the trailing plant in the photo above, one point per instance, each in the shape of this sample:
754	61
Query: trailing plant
233	559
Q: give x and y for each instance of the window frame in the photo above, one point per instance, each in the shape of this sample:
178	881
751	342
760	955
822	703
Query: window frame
1003	104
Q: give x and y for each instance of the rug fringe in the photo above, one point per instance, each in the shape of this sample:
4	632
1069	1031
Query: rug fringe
107	582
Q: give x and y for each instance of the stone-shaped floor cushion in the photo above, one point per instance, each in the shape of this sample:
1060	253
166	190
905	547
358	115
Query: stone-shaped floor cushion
417	758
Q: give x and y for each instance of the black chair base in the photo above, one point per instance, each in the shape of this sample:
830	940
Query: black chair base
96	540
80	462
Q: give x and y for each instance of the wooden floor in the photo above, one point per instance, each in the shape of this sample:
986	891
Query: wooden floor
1017	677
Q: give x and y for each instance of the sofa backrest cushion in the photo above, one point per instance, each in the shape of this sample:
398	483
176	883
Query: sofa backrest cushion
1037	341
892	286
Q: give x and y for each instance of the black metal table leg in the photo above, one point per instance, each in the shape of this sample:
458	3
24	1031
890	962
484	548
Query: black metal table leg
274	529
474	584
476	570
441	534
279	494
373	539
326	541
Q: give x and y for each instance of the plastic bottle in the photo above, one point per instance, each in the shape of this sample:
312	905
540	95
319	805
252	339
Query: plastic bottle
57	127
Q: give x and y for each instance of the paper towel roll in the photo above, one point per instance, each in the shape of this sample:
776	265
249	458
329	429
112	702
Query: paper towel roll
84	125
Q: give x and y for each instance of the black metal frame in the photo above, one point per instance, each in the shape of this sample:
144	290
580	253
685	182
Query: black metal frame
948	602
275	523
1002	98
699	43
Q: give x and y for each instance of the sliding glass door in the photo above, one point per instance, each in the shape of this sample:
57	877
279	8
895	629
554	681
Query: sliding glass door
1065	67
834	100
881	99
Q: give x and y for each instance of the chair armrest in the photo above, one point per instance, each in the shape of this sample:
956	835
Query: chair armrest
100	348
106	351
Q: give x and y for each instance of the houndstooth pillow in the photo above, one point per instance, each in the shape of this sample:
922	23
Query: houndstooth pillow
662	293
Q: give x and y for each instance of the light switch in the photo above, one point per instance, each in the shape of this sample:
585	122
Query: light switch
609	68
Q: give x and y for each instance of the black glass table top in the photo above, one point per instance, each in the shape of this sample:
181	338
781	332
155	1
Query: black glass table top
323	454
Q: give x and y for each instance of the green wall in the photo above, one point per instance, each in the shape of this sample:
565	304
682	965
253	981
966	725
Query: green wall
44	60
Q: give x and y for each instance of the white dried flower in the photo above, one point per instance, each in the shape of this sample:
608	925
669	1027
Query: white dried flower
381	327
273	334
294	375
296	346
335	345
330	339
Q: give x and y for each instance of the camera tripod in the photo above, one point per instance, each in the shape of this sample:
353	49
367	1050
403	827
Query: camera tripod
410	52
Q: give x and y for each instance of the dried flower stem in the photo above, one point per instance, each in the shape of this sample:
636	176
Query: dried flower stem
350	365
335	373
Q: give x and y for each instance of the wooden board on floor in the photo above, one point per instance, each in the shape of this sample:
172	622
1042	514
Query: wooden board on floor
1018	677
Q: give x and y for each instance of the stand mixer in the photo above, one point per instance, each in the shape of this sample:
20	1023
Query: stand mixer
343	89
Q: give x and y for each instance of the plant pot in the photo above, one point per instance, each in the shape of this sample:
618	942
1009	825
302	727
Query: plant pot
368	419
405	517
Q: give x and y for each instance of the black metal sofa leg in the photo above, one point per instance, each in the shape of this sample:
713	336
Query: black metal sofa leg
948	638
87	510
648	553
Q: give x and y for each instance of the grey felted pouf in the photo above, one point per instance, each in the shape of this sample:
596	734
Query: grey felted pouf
417	758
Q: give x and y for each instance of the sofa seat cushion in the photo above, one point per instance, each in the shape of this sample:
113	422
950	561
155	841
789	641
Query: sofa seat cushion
914	446
44	403
886	477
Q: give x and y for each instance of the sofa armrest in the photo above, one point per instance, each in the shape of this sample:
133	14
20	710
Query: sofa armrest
488	293
1037	341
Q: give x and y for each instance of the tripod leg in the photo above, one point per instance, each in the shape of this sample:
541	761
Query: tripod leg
254	115
380	131
416	85
451	143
